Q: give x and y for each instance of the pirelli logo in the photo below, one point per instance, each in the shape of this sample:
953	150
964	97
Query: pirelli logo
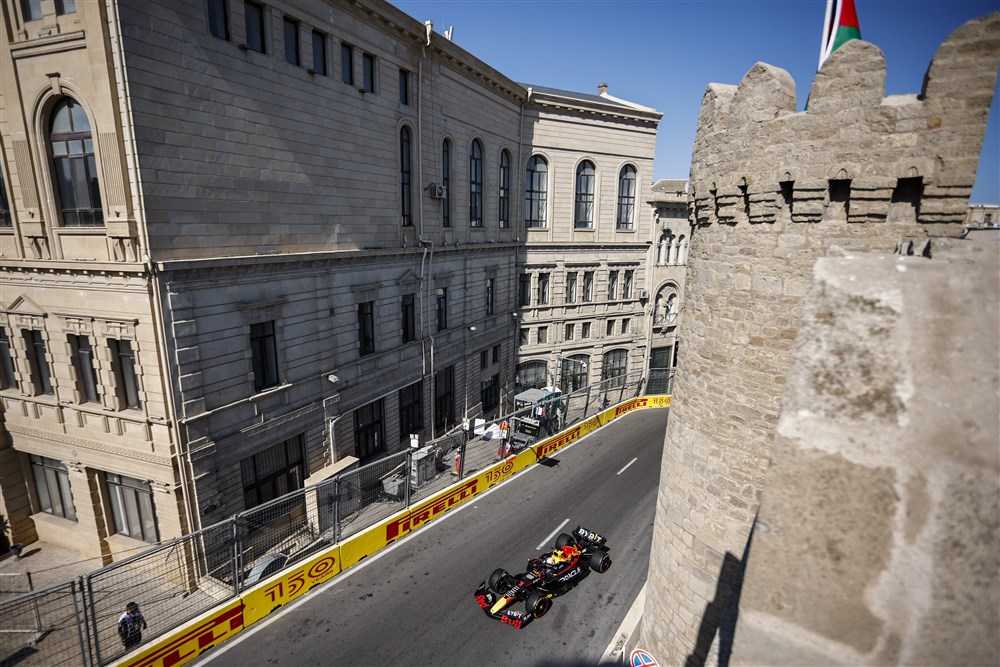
558	442
423	513
196	639
630	405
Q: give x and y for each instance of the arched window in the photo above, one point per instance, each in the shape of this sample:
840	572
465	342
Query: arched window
504	208
446	182
682	250
476	185
663	247
626	197
531	375
574	373
665	307
405	193
614	368
583	217
535	192
73	166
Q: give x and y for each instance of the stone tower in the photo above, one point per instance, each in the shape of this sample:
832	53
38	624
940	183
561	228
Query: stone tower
782	199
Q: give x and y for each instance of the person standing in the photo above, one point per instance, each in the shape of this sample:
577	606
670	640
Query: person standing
130	626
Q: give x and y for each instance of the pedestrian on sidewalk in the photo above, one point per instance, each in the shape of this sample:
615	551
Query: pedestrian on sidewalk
130	626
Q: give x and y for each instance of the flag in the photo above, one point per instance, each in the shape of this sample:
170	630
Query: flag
840	26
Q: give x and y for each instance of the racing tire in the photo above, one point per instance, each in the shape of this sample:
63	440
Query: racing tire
600	561
539	604
563	540
499	580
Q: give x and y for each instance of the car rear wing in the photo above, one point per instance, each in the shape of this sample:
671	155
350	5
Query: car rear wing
589	536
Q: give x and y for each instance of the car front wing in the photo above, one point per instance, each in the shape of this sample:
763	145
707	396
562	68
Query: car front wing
487	598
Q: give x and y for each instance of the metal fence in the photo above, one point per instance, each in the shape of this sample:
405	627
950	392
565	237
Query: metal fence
76	623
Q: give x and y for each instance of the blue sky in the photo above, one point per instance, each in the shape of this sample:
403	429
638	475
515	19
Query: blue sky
663	53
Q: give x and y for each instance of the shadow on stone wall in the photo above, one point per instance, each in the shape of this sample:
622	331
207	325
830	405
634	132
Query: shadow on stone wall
723	611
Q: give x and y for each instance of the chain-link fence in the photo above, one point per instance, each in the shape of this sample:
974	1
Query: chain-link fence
76	622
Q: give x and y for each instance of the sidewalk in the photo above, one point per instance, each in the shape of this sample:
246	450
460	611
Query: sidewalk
48	565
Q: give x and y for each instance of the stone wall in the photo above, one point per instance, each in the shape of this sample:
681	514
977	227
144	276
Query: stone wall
774	190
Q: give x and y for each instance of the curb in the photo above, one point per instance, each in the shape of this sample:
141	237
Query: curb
626	636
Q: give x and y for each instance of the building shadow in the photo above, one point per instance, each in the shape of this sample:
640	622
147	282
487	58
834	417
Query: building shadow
722	613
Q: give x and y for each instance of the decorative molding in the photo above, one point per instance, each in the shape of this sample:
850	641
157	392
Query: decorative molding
65	439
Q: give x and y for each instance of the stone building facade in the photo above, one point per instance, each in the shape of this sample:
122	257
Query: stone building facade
248	244
871	495
671	236
584	283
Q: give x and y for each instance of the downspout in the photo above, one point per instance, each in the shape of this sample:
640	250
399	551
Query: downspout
182	455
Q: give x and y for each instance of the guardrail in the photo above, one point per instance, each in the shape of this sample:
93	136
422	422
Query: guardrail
272	553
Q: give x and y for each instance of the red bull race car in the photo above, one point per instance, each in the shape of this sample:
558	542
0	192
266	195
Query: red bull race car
547	576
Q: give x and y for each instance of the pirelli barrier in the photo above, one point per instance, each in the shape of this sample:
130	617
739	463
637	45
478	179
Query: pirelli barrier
188	641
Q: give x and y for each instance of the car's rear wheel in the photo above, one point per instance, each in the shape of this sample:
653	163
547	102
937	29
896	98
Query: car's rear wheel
539	604
600	561
563	540
500	580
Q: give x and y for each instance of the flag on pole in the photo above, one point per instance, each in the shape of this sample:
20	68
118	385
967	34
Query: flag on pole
840	26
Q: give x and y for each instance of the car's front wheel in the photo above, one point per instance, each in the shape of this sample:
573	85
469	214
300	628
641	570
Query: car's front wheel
600	561
539	604
500	580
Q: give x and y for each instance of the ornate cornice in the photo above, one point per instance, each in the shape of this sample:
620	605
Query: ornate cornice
66	439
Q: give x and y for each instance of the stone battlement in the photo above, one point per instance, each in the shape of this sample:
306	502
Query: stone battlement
854	154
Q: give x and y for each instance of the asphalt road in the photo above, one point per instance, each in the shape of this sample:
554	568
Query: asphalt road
413	603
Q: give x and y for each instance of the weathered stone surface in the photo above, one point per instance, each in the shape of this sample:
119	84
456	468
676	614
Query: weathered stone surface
861	480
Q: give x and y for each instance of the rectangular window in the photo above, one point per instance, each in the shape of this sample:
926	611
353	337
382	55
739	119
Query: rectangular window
65	7
83	365
368	72
626	325
347	64
588	286
613	285
52	487
263	355
366	327
496	354
132	507
627	285
254	14
8	379
611	328
369	430
34	344
571	287
523	336
444	398
411	413
32	9
126	378
6	220
524	290
218	19
273	472
503	212
490	292
543	334
484	360
543	288
319	53
409	316
570	331
442	308
489	393
585	330
404	87
291	41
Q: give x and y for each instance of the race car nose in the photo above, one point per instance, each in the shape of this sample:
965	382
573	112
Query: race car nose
500	604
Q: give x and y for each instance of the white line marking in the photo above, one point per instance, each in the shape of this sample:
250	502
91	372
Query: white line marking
551	535
626	466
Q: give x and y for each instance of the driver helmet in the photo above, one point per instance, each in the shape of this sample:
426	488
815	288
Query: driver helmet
558	557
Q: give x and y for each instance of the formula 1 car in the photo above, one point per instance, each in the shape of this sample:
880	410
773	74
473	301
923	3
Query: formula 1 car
549	575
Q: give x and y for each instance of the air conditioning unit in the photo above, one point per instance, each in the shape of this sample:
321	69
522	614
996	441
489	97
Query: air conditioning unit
437	191
643	294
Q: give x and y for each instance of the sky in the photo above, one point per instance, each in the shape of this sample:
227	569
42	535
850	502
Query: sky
663	53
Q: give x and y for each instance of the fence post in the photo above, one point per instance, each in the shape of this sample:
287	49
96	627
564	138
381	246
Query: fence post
336	509
408	474
237	554
95	633
80	626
